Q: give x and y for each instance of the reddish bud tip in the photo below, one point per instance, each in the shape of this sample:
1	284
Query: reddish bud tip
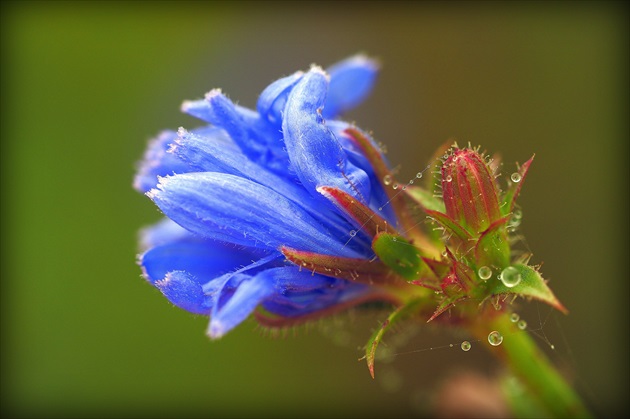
469	191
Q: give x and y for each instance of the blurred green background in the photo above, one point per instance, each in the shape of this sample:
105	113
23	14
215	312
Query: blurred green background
85	85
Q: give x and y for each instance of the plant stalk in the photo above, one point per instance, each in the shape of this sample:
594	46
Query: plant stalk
531	365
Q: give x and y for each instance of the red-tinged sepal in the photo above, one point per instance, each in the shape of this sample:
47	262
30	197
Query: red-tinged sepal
446	304
525	282
451	226
399	255
432	277
361	216
398	315
514	187
452	286
368	271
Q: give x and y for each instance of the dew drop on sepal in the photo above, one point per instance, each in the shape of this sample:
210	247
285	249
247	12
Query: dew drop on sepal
485	272
495	338
510	277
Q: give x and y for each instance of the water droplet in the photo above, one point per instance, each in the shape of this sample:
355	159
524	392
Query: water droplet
449	178
496	304
380	208
485	273
522	324
517	214
419	175
450	345
387	180
404	188
395	186
516	177
353	233
466	346
514	317
411	181
445	253
510	277
495	338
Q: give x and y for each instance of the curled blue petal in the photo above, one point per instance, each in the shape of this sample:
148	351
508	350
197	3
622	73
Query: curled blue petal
163	232
157	162
230	208
272	100
223	113
351	81
315	154
303	292
247	296
185	292
203	259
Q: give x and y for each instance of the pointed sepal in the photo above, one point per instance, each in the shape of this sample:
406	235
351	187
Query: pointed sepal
426	199
530	285
366	271
449	224
361	215
514	188
447	303
394	318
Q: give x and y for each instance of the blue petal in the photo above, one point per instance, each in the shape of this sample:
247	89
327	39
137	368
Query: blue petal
185	292
230	208
302	292
204	260
316	155
273	99
157	162
223	113
241	304
351	81
162	232
210	154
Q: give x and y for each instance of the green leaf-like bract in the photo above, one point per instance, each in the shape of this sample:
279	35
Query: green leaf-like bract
397	253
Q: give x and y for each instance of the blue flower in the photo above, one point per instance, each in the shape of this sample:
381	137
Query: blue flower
271	210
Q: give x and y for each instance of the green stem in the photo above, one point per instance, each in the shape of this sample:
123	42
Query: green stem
521	354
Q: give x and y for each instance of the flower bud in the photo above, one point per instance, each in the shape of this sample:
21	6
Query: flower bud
469	191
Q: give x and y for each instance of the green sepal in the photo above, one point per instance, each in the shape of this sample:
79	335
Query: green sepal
514	188
400	255
492	248
426	199
396	316
532	285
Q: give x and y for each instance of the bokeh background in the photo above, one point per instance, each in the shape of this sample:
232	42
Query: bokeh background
86	84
